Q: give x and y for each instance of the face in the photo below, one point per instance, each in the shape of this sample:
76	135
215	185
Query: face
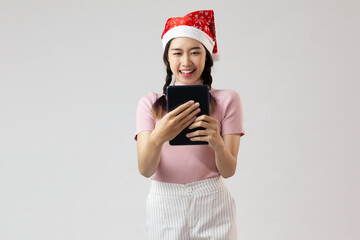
187	59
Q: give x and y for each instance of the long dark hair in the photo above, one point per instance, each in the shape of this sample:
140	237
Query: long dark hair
159	107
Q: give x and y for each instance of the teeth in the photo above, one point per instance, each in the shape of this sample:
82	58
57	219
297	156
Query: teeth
186	72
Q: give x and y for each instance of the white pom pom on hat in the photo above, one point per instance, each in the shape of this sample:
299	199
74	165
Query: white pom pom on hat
199	25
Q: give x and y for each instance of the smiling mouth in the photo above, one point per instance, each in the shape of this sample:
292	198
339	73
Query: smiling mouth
187	71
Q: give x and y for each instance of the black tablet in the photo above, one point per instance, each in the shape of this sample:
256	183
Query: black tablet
177	95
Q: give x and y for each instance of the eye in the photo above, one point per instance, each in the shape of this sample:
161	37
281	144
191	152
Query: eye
195	53
177	53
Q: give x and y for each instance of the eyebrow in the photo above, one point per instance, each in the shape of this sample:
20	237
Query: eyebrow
179	49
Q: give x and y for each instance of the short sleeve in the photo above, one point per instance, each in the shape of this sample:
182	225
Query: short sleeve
232	122
144	116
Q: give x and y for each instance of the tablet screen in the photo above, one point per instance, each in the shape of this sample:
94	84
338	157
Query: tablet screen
177	95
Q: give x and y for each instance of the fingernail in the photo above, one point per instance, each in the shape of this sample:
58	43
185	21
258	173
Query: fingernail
197	104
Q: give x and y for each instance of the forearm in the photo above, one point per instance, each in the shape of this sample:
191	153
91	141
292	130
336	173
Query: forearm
149	156
226	147
225	162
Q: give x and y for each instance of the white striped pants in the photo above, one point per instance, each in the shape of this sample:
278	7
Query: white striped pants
199	210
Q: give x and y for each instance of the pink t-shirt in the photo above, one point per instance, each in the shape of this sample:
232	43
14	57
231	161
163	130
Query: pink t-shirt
185	164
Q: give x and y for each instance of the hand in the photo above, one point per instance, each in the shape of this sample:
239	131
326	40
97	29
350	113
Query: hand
176	121
211	133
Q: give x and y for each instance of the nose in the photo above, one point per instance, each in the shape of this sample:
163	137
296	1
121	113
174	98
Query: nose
185	60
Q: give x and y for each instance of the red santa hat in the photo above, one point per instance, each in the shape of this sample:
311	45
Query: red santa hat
199	25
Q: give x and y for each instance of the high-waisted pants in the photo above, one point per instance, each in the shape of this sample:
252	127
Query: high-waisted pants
199	210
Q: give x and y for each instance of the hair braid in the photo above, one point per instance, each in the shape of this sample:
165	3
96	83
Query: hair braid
168	78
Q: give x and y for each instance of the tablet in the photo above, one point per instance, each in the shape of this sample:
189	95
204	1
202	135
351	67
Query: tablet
177	95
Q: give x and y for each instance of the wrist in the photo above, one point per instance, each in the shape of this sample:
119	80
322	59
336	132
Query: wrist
220	146
155	139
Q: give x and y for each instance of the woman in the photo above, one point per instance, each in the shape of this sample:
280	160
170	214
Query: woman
188	198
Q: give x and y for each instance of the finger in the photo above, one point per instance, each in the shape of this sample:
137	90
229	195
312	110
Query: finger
187	112
182	107
205	118
203	138
200	124
197	133
187	123
190	118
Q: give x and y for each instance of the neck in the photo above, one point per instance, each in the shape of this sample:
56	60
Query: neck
198	82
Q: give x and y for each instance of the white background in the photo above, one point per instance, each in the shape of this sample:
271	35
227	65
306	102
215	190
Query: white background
72	72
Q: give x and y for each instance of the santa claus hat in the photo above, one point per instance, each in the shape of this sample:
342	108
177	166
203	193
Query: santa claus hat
199	25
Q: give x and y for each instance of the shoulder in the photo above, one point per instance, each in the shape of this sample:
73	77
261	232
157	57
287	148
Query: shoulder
149	99
227	101
225	95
